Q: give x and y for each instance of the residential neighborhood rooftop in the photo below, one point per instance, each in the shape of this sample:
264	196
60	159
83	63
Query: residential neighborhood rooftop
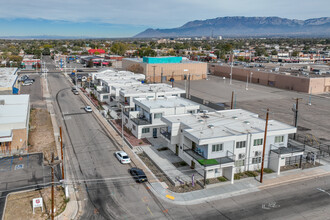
151	88
226	123
165	102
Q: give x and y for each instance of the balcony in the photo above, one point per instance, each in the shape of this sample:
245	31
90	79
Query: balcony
209	162
293	147
141	121
165	133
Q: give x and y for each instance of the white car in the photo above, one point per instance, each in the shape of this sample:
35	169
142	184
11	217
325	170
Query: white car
27	83
122	157
88	109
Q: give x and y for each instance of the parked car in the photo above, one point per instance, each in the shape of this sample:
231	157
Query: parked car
88	109
27	83
122	157
138	175
76	92
23	78
73	88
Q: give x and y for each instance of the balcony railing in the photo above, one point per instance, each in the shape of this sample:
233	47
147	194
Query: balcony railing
140	121
292	148
209	162
165	133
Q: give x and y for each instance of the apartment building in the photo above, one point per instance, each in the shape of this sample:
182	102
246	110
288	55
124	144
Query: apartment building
8	81
226	142
145	121
127	94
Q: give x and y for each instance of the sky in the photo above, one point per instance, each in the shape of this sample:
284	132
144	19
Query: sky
125	18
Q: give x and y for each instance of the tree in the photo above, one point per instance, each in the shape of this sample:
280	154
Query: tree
295	53
274	52
46	51
118	48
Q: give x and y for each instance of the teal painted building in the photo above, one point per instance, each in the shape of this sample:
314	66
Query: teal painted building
157	60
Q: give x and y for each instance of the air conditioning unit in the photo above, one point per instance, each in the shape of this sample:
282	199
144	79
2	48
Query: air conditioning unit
258	153
241	156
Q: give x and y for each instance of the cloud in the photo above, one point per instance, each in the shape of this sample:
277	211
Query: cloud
158	13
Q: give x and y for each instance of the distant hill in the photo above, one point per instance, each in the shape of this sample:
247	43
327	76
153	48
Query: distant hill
246	27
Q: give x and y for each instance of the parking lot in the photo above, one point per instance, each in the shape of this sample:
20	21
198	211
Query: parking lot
35	91
313	119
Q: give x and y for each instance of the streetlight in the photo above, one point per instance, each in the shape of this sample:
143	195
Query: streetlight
247	82
251	77
185	81
231	72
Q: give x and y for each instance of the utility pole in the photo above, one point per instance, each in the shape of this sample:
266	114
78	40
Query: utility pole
154	73
122	125
189	86
264	147
232	100
52	213
296	115
231	69
172	79
247	82
62	153
161	76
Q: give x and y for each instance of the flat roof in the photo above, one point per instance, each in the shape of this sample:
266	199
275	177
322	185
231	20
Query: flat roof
225	123
165	102
8	77
160	88
140	60
14	112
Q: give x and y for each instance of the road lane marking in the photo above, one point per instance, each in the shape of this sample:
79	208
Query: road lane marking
322	190
170	197
149	210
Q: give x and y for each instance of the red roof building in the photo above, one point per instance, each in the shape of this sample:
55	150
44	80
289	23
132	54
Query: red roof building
92	51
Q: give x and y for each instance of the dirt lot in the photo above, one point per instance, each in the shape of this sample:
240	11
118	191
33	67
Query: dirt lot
19	206
41	134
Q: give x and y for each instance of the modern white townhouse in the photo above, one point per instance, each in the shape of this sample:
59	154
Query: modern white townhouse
127	94
145	121
230	141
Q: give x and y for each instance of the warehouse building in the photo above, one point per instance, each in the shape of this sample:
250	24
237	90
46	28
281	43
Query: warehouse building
14	124
8	81
162	69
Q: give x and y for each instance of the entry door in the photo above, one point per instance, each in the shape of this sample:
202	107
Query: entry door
177	150
192	165
154	132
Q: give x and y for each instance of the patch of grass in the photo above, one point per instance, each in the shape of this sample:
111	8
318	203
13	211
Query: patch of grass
222	179
162	149
266	170
208	162
251	173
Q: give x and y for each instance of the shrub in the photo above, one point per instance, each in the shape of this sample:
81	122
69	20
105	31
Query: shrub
207	181
222	179
183	163
237	176
267	170
162	149
251	173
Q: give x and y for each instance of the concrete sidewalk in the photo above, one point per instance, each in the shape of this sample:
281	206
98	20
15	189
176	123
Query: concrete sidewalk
239	187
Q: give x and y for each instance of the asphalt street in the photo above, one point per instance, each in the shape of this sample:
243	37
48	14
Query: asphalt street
108	191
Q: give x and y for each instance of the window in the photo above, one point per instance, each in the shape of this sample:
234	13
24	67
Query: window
256	160
145	130
239	163
279	139
158	115
134	127
126	121
105	97
257	142
240	144
191	112
217	147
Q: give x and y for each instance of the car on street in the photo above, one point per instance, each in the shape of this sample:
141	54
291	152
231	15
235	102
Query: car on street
76	92
122	157
88	109
29	81
138	175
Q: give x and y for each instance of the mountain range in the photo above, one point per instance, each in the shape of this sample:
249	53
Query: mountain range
245	27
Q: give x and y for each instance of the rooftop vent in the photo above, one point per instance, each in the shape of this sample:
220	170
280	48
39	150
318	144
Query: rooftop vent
210	126
234	117
200	121
247	122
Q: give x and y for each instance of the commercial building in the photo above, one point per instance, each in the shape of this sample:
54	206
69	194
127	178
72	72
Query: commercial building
14	124
8	81
226	142
127	95
299	78
145	121
162	69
